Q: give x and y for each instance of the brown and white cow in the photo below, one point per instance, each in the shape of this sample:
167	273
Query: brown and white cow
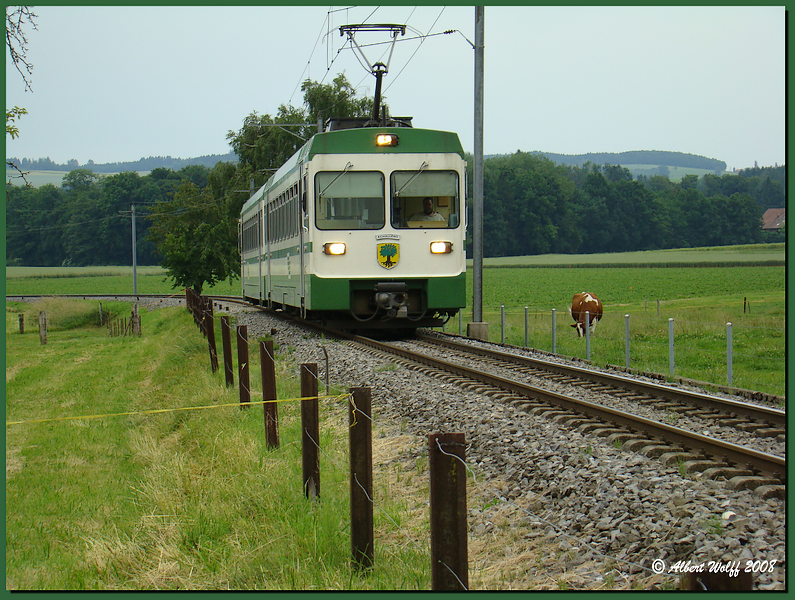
581	303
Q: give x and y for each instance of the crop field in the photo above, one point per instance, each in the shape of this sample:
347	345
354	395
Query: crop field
675	174
38	178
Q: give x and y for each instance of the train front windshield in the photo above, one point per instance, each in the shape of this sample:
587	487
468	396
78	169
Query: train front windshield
356	200
349	200
424	199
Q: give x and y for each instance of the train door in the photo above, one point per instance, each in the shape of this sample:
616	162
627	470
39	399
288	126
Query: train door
301	209
266	209
260	249
240	253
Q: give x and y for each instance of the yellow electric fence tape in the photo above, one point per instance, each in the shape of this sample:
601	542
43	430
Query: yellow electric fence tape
167	410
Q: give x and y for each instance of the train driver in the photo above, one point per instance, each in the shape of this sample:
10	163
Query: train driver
427	214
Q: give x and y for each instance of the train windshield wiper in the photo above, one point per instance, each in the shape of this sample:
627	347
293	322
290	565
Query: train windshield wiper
423	166
333	181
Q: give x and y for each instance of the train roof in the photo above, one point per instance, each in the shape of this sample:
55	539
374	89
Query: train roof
362	141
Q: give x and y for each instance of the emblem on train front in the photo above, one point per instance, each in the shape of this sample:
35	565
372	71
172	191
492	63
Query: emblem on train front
388	255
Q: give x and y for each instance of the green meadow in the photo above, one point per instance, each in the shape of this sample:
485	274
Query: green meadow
702	290
701	302
178	499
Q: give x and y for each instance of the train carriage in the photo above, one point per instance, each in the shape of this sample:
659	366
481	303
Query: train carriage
362	228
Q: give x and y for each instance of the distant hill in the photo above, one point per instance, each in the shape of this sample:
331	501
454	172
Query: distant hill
673	165
143	164
639	157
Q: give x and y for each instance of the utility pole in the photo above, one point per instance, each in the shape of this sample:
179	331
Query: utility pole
478	329
134	255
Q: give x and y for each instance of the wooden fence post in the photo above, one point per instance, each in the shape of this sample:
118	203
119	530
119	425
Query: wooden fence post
21	323
43	327
361	457
226	340
269	409
210	325
446	453
714	581
310	430
242	365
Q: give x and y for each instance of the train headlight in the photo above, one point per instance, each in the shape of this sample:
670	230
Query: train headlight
441	247
386	139
334	248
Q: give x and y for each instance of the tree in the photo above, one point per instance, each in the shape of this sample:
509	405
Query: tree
527	207
17	19
264	143
336	99
196	237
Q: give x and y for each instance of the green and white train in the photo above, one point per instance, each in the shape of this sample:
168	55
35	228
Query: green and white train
339	233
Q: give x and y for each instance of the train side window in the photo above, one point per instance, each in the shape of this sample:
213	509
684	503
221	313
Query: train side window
349	200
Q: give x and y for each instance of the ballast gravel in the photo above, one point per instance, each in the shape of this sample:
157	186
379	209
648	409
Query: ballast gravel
550	507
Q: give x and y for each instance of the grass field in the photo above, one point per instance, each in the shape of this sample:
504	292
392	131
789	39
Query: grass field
35	281
718	255
182	499
700	300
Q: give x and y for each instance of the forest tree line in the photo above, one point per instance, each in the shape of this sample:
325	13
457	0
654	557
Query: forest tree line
187	217
531	206
142	164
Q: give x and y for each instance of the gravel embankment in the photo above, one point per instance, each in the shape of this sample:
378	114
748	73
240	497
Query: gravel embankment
552	508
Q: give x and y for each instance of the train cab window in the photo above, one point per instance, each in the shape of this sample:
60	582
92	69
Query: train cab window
349	200
425	199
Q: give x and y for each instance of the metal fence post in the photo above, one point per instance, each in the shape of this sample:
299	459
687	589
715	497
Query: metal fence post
729	352
502	323
461	323
526	328
554	334
626	340
587	336
671	346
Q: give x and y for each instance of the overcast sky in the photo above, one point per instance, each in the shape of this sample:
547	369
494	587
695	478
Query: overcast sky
120	83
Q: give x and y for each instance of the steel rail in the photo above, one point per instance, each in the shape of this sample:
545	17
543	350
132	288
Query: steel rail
717	449
769	415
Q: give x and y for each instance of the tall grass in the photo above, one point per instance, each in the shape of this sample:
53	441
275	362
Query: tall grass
178	500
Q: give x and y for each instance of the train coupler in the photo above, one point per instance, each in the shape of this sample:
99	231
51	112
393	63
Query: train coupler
393	298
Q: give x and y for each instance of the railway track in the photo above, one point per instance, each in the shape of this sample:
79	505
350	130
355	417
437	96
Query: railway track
759	420
743	467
